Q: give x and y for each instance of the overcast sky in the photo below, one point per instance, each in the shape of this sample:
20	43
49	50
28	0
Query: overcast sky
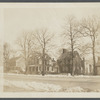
17	20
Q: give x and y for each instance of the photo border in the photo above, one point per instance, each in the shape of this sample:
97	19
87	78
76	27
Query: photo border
61	98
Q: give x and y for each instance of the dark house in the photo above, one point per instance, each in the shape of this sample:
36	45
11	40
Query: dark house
65	63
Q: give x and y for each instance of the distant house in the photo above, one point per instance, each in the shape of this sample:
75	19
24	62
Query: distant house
14	64
98	66
65	62
20	64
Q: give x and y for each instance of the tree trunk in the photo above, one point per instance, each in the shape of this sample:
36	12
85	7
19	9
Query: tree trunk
26	67
94	67
43	62
72	69
83	66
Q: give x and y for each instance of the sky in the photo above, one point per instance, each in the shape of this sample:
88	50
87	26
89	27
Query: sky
20	19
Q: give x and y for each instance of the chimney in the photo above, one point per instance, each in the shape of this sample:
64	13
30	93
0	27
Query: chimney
64	50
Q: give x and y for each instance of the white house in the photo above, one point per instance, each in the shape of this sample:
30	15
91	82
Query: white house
20	63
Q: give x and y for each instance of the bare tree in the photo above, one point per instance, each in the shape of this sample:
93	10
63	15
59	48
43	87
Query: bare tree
43	38
72	36
25	43
85	50
90	27
6	55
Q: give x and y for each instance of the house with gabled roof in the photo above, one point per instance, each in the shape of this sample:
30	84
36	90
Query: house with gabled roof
64	62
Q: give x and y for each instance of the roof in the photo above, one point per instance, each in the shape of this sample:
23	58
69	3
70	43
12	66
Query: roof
67	55
37	54
14	58
20	59
63	56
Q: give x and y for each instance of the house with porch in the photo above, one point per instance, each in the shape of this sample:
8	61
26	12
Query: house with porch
35	65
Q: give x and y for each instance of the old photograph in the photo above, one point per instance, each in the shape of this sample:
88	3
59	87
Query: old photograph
51	48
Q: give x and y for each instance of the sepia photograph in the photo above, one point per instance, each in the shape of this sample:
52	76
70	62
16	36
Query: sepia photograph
50	48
